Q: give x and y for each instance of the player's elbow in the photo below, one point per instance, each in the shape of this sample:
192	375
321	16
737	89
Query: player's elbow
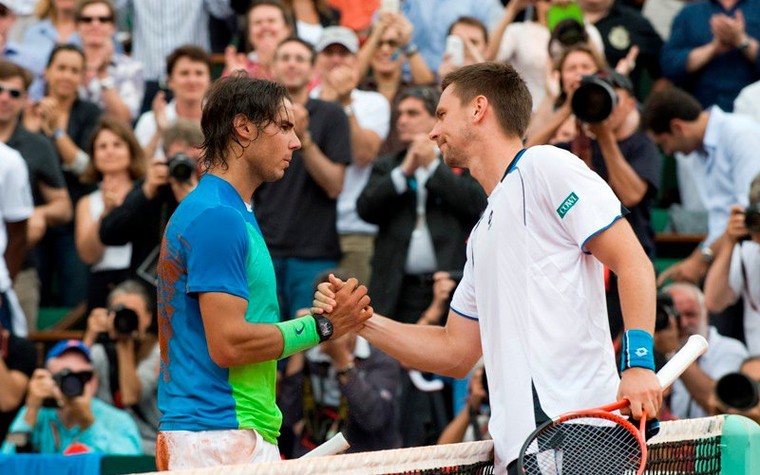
223	356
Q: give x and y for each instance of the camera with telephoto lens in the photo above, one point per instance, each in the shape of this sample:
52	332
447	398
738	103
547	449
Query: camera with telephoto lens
181	167
595	98
124	320
665	309
752	218
738	391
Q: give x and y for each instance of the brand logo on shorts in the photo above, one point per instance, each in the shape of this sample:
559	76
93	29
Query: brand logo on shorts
566	205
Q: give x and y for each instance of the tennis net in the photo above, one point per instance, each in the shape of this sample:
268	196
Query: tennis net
721	445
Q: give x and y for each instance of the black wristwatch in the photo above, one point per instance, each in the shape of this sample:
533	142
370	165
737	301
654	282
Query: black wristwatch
324	327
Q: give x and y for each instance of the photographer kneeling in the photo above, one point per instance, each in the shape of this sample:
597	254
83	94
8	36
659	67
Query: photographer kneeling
143	215
126	357
61	414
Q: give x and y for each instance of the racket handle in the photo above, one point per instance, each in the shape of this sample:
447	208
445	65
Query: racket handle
693	349
333	446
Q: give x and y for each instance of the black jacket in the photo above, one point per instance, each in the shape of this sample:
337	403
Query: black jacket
454	204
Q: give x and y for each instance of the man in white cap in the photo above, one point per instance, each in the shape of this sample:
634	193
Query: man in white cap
369	116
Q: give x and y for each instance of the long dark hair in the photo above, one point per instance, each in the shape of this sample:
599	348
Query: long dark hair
258	99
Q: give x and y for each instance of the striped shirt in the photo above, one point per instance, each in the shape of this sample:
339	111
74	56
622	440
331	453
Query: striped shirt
162	26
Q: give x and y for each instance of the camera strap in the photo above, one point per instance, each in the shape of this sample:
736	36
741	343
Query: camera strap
113	374
751	302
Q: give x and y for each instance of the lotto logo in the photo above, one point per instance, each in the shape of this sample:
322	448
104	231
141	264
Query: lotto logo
641	352
566	205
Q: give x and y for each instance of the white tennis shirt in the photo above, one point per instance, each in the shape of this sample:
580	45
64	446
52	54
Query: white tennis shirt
538	297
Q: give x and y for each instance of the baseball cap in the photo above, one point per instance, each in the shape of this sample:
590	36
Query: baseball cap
69	345
338	35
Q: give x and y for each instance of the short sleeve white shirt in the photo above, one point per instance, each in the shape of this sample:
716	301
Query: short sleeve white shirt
538	295
146	127
15	201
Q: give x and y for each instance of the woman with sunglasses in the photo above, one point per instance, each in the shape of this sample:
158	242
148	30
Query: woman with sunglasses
69	122
56	25
117	161
381	60
112	80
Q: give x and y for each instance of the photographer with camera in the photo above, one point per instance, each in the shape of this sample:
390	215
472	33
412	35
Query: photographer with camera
61	412
126	356
736	270
142	217
692	392
739	393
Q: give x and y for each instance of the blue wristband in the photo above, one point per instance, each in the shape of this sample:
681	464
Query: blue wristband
638	350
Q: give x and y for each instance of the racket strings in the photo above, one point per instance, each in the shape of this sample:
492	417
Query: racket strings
584	446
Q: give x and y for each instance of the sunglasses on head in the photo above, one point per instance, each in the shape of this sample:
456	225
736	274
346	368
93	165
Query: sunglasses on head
100	19
14	93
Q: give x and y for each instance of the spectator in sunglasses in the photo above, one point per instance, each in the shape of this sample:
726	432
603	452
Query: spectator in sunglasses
112	80
61	413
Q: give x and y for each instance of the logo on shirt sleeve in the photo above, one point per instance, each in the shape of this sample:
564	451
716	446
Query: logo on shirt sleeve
567	205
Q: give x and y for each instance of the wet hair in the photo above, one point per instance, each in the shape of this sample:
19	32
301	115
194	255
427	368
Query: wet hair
259	100
502	86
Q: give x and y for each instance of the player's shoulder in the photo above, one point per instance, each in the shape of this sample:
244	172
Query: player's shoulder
547	159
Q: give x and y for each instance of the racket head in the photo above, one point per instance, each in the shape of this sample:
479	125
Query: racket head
592	442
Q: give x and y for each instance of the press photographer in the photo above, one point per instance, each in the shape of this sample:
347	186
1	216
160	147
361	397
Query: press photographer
126	356
142	217
61	413
735	271
739	393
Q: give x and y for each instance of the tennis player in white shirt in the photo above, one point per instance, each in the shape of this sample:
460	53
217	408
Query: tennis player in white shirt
532	297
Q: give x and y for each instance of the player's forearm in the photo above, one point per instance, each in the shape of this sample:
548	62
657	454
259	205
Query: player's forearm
427	348
637	288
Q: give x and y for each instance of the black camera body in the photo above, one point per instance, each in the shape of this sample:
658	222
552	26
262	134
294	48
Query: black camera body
181	167
665	309
124	320
738	391
752	218
71	384
595	98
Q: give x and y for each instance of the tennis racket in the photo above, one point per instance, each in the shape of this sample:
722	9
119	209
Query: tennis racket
597	441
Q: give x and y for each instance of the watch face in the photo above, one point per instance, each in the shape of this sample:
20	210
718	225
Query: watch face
325	328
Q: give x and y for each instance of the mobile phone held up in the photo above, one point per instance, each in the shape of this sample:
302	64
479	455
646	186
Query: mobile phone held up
455	50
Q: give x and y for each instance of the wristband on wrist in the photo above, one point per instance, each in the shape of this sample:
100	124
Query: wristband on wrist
637	351
298	335
58	132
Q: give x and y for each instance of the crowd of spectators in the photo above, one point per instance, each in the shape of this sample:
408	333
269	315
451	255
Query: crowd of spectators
100	108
